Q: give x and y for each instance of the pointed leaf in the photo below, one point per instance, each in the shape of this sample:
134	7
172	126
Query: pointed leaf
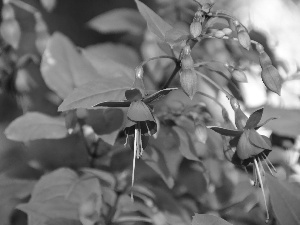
63	68
226	132
158	95
285	203
205	219
155	23
254	119
271	79
186	146
119	20
100	90
258	141
156	161
34	125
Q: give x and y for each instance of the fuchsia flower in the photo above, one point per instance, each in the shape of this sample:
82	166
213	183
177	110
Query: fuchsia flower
249	145
140	123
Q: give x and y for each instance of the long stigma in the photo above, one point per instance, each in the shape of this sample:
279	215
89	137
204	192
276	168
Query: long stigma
274	169
262	188
255	175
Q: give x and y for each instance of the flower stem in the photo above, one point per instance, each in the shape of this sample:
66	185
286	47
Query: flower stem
158	57
175	71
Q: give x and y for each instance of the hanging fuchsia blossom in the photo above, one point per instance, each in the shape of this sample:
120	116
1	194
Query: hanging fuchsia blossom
140	123
249	145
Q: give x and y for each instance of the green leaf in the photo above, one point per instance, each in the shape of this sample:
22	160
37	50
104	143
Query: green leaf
175	35
226	132
156	161
102	175
155	23
63	67
205	219
119	20
271	78
35	125
100	90
59	195
285	203
186	146
254	119
110	59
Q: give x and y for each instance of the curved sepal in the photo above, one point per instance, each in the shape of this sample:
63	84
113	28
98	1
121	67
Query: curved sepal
254	119
157	95
113	104
258	141
139	111
265	122
226	132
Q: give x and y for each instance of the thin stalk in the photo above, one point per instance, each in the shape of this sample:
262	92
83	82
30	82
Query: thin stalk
175	71
133	219
158	57
229	96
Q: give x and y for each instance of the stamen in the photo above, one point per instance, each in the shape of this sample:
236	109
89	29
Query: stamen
255	175
251	181
273	167
148	129
267	165
261	165
262	188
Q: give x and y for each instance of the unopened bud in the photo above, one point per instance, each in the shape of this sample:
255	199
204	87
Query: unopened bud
7	12
187	62
195	28
227	31
188	81
264	59
219	34
243	37
271	78
259	48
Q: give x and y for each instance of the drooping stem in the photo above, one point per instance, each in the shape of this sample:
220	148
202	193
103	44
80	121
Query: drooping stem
158	57
229	96
175	71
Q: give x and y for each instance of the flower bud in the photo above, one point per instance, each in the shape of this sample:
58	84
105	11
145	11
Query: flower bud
271	78
227	31
195	28
234	104
243	37
187	62
264	59
259	48
188	81
219	34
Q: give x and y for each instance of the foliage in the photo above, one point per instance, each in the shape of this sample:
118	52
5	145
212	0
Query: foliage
114	135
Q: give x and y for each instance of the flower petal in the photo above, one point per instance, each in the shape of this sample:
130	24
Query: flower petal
139	111
226	132
254	119
245	150
258	141
113	104
133	95
265	122
157	95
